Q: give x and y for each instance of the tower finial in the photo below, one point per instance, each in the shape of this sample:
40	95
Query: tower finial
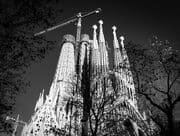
114	28
115	42
100	22
94	27
122	41
101	34
95	43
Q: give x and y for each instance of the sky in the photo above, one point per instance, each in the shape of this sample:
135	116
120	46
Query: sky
137	21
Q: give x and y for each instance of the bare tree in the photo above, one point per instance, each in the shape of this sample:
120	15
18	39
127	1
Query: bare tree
102	97
157	75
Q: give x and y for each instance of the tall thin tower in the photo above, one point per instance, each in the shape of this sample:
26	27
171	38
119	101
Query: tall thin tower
53	113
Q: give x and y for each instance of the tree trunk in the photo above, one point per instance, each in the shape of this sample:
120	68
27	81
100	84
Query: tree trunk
95	129
170	123
84	127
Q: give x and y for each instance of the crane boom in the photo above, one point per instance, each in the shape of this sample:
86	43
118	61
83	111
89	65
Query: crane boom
55	27
15	120
68	22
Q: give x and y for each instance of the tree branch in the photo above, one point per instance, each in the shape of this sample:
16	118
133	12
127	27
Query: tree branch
158	123
159	90
152	102
176	100
90	122
178	75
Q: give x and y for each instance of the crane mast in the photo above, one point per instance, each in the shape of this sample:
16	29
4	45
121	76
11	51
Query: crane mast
16	123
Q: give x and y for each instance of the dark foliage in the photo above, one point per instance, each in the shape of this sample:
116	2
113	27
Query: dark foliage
19	19
156	69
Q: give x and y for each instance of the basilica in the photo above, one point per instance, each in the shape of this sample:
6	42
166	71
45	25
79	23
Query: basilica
87	97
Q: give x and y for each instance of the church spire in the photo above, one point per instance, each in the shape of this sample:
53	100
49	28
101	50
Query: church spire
102	49
117	53
101	34
127	74
115	40
124	54
40	101
95	52
95	42
122	41
42	98
65	68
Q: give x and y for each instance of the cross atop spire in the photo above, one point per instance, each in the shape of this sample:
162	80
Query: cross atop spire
101	34
115	42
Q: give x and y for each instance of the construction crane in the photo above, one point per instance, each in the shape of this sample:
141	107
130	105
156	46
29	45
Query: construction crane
73	19
77	18
16	123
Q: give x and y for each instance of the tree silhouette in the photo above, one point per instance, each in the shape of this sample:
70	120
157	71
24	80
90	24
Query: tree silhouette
157	75
19	19
102	97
